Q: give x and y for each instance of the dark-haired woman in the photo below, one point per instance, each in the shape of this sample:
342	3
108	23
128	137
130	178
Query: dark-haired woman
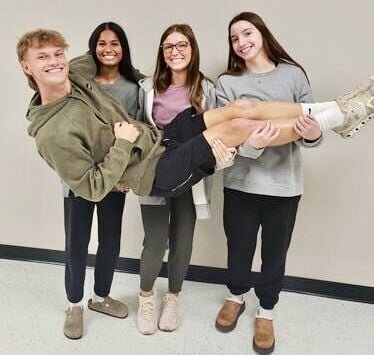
110	49
264	185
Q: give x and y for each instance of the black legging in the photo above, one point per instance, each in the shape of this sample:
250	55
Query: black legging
78	214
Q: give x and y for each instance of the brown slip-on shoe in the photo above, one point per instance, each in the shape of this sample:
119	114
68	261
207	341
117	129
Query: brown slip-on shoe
228	315
263	340
109	307
73	325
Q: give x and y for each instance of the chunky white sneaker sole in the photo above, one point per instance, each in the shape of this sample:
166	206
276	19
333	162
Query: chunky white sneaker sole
358	107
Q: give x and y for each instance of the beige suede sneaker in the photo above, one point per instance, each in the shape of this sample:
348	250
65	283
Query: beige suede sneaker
169	316
73	325
146	320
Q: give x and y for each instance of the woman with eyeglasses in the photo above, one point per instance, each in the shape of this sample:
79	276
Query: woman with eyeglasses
177	84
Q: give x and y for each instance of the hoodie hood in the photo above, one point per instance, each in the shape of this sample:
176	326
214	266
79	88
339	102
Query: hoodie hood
39	114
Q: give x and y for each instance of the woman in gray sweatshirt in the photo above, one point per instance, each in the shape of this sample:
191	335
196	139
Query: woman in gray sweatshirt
264	186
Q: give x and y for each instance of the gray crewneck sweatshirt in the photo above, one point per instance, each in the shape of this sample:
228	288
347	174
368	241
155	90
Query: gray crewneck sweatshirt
274	171
126	92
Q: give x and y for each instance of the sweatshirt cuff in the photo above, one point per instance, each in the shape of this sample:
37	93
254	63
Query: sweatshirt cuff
246	150
310	144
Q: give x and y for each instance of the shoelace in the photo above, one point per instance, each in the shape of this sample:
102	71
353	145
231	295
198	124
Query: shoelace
147	310
355	108
170	304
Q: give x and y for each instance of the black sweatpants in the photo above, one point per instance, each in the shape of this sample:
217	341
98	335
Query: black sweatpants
78	214
243	214
188	156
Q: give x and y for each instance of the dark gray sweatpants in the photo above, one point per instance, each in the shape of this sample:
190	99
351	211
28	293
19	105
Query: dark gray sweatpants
173	222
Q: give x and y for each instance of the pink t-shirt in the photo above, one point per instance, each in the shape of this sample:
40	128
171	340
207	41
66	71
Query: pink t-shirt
169	103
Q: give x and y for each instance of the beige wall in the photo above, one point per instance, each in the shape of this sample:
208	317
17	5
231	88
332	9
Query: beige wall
333	239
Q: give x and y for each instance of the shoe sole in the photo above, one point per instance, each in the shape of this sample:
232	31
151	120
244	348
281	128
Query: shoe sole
262	351
229	328
356	129
73	338
107	314
147	333
150	332
167	330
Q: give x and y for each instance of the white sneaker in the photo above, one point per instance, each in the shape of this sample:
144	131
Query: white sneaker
146	319
358	108
169	316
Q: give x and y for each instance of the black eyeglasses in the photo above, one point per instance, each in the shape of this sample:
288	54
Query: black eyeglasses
180	46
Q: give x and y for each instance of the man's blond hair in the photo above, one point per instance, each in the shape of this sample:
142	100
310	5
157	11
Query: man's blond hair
37	39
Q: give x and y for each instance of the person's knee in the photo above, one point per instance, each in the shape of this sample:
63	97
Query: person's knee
157	245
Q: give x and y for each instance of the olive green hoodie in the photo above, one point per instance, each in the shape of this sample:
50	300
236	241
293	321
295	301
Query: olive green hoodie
74	135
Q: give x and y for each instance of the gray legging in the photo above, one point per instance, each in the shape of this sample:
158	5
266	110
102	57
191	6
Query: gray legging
180	211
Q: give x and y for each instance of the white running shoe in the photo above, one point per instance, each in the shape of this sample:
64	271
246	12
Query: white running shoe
358	108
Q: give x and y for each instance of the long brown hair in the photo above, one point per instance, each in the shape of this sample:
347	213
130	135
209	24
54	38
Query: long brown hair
162	76
272	47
